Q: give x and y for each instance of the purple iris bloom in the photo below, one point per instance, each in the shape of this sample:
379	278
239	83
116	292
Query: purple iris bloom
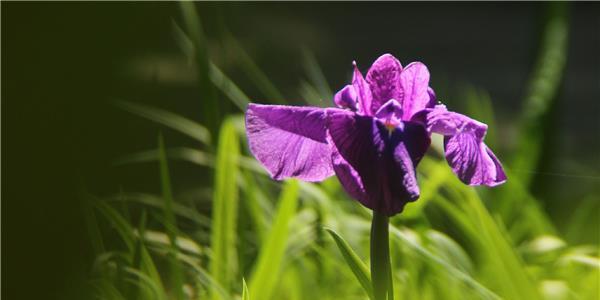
375	138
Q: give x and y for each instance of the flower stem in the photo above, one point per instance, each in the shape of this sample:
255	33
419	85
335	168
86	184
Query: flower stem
380	256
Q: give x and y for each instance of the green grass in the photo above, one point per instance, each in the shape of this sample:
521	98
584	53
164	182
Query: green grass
298	240
223	266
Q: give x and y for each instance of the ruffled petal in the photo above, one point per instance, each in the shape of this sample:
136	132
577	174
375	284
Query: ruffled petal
414	83
375	166
290	141
470	159
384	80
365	97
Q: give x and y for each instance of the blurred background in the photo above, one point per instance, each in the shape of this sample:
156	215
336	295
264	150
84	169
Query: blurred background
87	87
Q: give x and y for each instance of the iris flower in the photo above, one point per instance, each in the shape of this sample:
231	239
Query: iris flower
374	139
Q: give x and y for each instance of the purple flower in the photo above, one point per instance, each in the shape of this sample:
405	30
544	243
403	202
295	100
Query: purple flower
374	139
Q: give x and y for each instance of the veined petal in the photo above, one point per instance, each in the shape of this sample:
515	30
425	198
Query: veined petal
384	80
473	162
500	175
365	97
470	159
375	165
290	141
444	122
414	83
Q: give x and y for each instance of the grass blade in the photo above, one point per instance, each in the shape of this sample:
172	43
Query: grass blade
253	72
92	227
267	269
311	95
315	74
245	292
145	282
216	75
169	119
543	87
117	221
354	262
223	266
146	264
252	203
210	104
192	155
230	89
171	224
515	281
203	276
104	289
157	202
435	260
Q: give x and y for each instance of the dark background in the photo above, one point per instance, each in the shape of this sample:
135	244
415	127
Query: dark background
62	64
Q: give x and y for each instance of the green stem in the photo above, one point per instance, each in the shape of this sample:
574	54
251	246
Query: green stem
380	256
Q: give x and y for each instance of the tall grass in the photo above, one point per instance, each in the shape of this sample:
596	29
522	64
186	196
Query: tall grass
300	240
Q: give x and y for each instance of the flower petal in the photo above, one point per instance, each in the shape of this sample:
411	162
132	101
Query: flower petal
346	98
470	159
383	78
417	141
390	113
473	162
500	175
414	83
290	141
373	165
365	97
432	97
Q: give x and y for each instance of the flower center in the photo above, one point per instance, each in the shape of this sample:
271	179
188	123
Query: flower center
390	114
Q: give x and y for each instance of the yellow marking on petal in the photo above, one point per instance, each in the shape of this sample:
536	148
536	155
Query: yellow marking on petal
390	128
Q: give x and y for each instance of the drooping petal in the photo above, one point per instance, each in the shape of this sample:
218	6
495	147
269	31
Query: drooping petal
346	98
500	175
470	159
444	122
365	97
384	80
375	166
473	162
414	83
290	141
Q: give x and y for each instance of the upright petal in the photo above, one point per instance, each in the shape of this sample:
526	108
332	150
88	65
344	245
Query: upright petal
384	80
365	97
346	98
470	159
390	113
432	98
375	166
289	141
414	83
